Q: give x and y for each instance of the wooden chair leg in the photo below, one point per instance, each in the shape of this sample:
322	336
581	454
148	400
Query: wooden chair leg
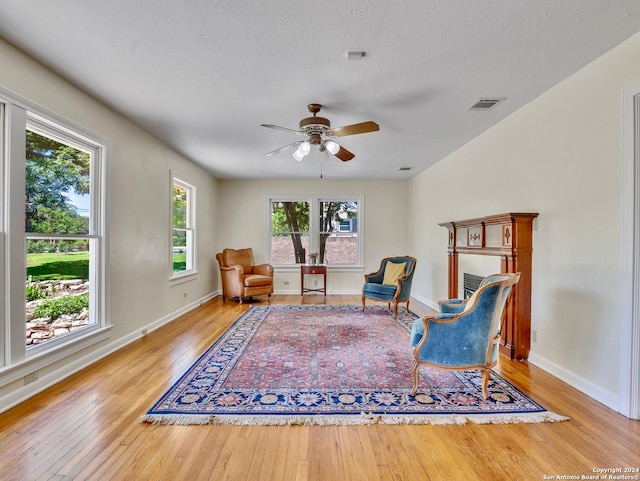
416	377
486	374
363	302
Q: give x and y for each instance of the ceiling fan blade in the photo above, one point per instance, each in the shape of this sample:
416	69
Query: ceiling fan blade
361	128
277	127
277	151
344	155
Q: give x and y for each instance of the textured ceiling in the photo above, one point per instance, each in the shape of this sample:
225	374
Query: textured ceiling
202	75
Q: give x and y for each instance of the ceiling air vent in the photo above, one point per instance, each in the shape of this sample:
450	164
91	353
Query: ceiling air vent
405	168
484	104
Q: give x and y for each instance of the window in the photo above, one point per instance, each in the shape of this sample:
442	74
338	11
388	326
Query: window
299	227
59	234
52	223
289	232
339	241
182	234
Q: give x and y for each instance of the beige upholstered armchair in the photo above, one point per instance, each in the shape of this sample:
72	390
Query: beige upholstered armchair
240	277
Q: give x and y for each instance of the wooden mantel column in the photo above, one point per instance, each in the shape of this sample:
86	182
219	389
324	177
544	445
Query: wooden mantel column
509	236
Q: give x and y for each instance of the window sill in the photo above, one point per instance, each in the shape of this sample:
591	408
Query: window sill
35	361
330	268
182	278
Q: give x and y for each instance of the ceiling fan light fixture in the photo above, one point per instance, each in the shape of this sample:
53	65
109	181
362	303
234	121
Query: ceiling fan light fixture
355	55
302	150
332	147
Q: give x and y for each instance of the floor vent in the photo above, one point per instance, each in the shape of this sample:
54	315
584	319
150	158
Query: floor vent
484	104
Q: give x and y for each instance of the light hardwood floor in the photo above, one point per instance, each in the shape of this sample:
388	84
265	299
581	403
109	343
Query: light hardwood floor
88	427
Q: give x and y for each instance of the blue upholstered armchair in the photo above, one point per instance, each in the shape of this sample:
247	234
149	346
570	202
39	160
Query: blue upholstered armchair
391	283
468	338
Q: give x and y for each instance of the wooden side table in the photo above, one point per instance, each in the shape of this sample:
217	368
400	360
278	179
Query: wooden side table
319	269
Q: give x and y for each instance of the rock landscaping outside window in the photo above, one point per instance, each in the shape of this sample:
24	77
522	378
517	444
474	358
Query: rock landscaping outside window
58	308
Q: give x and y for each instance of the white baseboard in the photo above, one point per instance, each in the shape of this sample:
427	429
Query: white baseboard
426	302
21	394
297	292
607	398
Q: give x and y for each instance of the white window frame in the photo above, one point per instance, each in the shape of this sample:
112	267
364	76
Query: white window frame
190	229
17	360
314	227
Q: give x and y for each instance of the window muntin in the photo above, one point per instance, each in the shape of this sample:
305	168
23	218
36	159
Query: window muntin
182	230
329	227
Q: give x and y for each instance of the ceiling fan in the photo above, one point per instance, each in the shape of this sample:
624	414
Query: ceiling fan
318	131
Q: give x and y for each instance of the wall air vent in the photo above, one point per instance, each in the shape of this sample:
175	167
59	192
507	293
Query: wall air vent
485	104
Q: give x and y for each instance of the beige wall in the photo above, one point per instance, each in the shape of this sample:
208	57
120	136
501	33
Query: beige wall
243	210
565	149
139	233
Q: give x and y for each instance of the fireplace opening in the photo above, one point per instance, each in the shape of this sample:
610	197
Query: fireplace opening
470	284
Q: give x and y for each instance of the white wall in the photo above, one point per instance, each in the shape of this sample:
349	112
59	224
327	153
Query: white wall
560	156
243	210
140	293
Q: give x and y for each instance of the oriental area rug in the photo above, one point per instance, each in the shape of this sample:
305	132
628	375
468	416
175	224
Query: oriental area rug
329	365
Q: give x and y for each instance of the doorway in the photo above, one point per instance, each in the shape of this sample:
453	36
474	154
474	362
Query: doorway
630	309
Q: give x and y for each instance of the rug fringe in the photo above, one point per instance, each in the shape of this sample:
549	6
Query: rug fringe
363	418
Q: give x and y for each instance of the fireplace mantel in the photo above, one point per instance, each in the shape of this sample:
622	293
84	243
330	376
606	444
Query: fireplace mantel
509	236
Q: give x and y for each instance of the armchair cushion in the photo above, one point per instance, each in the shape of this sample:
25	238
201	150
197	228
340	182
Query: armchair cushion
381	291
392	272
255	280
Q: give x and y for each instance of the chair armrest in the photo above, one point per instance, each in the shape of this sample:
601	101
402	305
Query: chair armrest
232	280
238	270
376	277
453	301
454	306
263	270
420	326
